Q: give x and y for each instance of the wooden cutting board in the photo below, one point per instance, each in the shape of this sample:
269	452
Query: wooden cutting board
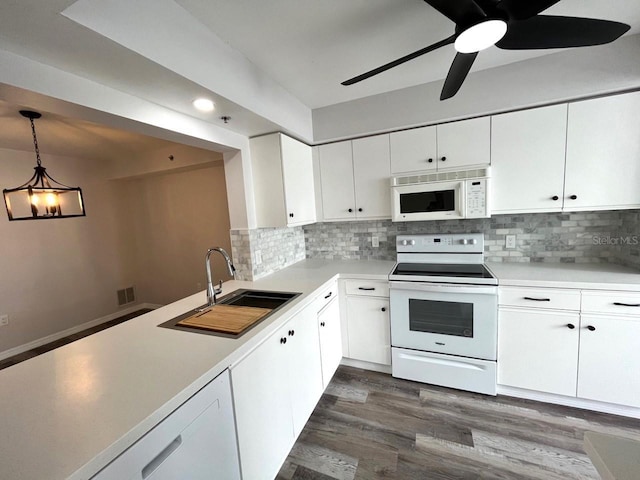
226	318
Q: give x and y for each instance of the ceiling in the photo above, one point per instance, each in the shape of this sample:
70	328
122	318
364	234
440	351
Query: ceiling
306	46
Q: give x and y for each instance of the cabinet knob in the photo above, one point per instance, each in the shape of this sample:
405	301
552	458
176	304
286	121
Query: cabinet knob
570	326
591	328
383	309
443	159
573	197
430	160
291	215
360	209
283	340
350	210
322	324
292	333
555	198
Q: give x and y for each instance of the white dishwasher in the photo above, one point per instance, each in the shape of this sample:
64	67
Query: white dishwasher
196	442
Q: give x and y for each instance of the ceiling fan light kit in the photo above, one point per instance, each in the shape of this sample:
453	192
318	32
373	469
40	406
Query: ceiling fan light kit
509	25
480	36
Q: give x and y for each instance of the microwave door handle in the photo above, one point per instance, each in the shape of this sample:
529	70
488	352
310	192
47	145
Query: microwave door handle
441	288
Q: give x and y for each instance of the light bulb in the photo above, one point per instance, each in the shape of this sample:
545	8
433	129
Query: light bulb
35	200
52	201
482	35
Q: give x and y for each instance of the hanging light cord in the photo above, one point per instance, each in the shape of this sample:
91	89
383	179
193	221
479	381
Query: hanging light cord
35	142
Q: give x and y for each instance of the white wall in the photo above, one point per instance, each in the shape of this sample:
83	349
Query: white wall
173	218
56	274
558	77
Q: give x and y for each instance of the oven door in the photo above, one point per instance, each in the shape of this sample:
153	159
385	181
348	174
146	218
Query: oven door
428	201
445	318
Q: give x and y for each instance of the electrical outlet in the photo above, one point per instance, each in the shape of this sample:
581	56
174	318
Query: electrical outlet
258	256
4	320
375	242
510	241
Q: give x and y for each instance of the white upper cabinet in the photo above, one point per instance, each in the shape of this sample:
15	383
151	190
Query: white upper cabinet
355	179
527	159
413	150
448	146
371	169
603	154
283	183
464	144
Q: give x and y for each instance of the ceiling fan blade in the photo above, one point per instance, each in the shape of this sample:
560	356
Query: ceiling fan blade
400	61
524	9
457	73
542	32
460	12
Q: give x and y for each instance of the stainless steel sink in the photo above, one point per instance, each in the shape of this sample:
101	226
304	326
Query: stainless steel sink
258	298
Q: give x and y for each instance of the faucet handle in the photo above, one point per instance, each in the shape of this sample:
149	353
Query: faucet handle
218	289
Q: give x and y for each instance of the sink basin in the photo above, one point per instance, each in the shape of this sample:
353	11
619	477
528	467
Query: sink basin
227	318
258	298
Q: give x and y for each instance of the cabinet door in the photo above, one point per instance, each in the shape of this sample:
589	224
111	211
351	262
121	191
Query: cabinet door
297	166
330	340
603	147
369	329
413	150
609	359
524	144
371	167
537	350
336	179
464	144
263	408
303	362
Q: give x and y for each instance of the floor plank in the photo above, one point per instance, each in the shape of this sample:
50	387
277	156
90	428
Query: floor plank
371	426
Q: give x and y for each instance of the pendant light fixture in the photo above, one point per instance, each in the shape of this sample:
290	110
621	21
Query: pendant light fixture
42	197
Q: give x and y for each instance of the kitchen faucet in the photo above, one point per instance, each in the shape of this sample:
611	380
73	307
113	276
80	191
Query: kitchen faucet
212	291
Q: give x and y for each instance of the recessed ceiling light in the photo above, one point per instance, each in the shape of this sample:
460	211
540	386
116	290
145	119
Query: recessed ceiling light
480	36
203	104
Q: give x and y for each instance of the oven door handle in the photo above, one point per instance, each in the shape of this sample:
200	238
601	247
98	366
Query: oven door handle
443	288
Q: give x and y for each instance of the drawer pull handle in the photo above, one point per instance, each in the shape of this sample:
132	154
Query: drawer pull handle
383	309
538	299
591	328
161	457
327	296
570	326
322	324
620	304
367	289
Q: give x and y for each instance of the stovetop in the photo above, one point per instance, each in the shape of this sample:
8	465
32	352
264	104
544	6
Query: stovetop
442	270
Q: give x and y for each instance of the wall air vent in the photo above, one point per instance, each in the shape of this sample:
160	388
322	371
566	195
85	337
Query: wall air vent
440	177
126	296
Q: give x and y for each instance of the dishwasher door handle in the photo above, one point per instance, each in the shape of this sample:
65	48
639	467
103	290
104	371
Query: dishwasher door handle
161	457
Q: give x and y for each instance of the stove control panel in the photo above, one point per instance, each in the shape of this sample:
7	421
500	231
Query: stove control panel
441	243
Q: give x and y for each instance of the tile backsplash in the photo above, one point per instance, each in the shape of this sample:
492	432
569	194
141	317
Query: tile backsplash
584	237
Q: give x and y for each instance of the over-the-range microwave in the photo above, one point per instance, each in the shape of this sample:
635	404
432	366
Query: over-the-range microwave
441	196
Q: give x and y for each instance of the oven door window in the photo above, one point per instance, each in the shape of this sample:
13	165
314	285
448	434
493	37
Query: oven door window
422	202
444	318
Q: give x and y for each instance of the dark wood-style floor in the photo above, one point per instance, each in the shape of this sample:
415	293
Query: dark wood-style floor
370	425
34	352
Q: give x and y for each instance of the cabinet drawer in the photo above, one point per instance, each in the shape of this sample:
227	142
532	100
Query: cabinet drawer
327	294
375	288
625	303
556	298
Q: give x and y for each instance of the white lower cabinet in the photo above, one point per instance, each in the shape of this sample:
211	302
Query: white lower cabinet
197	442
538	350
275	389
367	317
609	364
587	349
330	339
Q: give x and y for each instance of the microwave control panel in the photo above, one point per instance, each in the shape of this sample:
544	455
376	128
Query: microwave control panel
477	199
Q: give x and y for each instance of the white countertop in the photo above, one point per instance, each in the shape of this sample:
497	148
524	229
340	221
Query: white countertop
69	412
592	276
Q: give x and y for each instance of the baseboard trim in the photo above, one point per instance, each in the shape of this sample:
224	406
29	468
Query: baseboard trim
78	328
376	367
594	405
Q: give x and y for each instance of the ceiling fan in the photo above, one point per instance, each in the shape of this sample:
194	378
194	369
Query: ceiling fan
509	25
